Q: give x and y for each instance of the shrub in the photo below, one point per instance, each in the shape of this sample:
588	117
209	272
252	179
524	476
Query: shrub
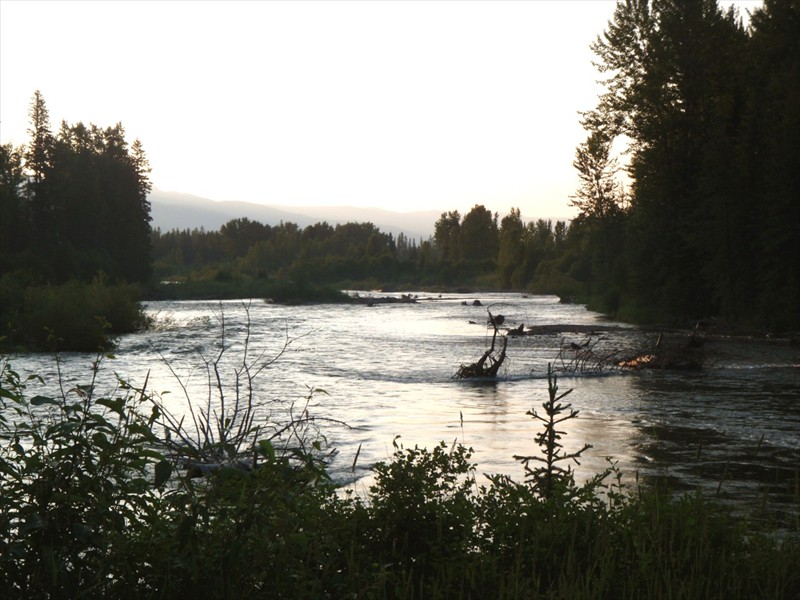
71	316
422	504
95	504
78	472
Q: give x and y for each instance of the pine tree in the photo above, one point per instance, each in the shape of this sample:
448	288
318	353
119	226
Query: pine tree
14	217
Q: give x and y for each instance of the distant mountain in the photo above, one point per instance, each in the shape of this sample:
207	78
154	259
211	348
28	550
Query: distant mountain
175	210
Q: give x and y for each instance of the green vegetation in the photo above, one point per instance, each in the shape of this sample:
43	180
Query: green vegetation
708	225
74	236
74	204
99	501
70	316
709	110
240	287
359	256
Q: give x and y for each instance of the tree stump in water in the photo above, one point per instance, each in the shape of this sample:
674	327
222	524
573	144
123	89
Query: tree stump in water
489	364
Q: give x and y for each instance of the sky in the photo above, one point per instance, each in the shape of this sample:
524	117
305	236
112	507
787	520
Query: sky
404	105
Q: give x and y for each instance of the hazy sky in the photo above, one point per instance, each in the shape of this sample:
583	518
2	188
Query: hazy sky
399	105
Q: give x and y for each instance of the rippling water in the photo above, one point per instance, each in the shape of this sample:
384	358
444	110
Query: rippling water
387	370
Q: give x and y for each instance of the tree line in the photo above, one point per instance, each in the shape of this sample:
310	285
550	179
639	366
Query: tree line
705	221
73	204
710	114
471	250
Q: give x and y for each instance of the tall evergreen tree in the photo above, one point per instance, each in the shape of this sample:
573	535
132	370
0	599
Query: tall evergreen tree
87	193
14	217
37	158
37	161
668	66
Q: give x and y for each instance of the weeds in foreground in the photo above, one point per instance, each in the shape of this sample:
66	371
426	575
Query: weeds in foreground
224	429
91	509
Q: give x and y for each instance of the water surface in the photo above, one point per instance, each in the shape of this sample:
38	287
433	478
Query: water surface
732	428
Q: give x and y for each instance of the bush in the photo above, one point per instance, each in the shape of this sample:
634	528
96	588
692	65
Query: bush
422	510
97	504
78	473
72	316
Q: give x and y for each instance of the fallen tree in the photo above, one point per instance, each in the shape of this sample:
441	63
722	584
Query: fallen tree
675	353
684	355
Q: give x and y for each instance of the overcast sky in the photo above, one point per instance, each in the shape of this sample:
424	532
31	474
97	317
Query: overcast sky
397	105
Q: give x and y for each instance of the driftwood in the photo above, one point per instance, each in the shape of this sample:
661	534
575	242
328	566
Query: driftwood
373	300
490	362
586	357
685	356
516	331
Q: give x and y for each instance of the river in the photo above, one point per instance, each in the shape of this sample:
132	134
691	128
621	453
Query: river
731	429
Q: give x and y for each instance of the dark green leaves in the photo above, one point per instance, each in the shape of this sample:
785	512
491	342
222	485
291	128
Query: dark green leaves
163	473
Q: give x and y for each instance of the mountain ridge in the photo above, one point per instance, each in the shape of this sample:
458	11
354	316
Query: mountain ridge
178	210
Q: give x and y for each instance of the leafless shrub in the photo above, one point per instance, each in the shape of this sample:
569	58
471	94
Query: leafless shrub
225	427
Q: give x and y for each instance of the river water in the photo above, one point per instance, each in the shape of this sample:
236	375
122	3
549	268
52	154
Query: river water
377	372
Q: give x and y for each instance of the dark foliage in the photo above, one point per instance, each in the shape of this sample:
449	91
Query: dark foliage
76	316
74	204
96	504
711	114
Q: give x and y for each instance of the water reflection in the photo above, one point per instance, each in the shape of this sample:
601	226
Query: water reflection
734	433
387	370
